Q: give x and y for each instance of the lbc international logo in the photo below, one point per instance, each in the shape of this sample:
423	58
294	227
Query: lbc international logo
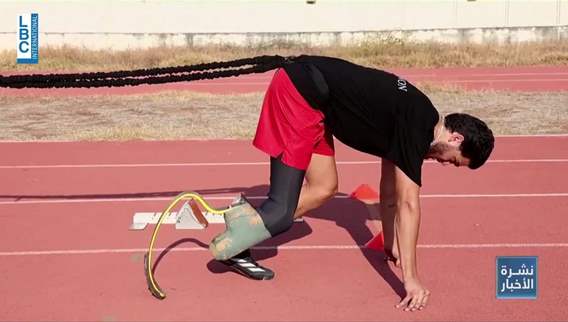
516	277
28	27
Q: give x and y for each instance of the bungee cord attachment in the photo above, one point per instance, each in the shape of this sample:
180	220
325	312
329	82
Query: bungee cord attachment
258	64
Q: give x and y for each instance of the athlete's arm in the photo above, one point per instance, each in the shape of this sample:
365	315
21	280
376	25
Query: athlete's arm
407	226
388	210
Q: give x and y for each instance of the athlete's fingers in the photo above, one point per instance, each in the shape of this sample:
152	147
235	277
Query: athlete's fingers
425	299
404	302
413	303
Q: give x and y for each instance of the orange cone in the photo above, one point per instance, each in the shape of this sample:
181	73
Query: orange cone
377	242
364	192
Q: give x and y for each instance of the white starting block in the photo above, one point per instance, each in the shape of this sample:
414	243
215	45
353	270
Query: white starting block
186	218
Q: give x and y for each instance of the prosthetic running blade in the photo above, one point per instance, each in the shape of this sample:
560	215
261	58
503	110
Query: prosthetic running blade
195	220
152	284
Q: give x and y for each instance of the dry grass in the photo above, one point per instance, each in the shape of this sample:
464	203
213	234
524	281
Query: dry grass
508	113
166	115
183	115
373	52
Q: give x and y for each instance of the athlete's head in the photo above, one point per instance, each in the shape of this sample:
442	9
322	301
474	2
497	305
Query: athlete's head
463	141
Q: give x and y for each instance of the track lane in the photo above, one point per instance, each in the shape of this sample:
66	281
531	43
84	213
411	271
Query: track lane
226	151
474	221
495	178
344	284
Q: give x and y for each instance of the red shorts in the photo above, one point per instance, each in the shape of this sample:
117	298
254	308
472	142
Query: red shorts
289	126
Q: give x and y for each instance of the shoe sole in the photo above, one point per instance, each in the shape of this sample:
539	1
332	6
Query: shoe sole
235	267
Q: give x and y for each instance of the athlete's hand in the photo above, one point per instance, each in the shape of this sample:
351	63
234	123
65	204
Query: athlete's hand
392	256
416	296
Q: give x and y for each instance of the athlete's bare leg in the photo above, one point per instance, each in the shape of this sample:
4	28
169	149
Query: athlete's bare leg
320	184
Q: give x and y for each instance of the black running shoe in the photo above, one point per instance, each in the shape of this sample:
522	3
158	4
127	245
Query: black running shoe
244	264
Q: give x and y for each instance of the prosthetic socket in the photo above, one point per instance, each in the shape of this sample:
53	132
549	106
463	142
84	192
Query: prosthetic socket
244	229
247	226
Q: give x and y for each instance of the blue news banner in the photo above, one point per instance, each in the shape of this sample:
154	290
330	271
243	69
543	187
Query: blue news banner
517	277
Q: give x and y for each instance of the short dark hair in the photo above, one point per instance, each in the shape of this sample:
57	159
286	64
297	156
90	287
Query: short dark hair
478	140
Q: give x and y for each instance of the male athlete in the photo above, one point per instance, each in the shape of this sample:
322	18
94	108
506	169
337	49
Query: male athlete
314	98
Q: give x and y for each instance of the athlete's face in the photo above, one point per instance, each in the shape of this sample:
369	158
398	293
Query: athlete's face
447	150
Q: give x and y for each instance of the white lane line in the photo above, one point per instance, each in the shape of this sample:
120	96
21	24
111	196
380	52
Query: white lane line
135	165
491	74
137	199
284	247
496	245
544	136
497	195
466	81
219	164
213	83
520	161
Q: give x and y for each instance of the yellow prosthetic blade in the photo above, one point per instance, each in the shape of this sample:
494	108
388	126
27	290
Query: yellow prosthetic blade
150	280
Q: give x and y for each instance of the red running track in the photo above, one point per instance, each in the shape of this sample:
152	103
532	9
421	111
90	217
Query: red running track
66	253
540	78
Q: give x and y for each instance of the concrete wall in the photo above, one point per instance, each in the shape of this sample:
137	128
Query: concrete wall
143	23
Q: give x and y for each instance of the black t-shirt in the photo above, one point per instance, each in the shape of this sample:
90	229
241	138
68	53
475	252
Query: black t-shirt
370	110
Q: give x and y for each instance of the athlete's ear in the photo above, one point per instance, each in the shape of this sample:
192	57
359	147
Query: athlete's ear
455	138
